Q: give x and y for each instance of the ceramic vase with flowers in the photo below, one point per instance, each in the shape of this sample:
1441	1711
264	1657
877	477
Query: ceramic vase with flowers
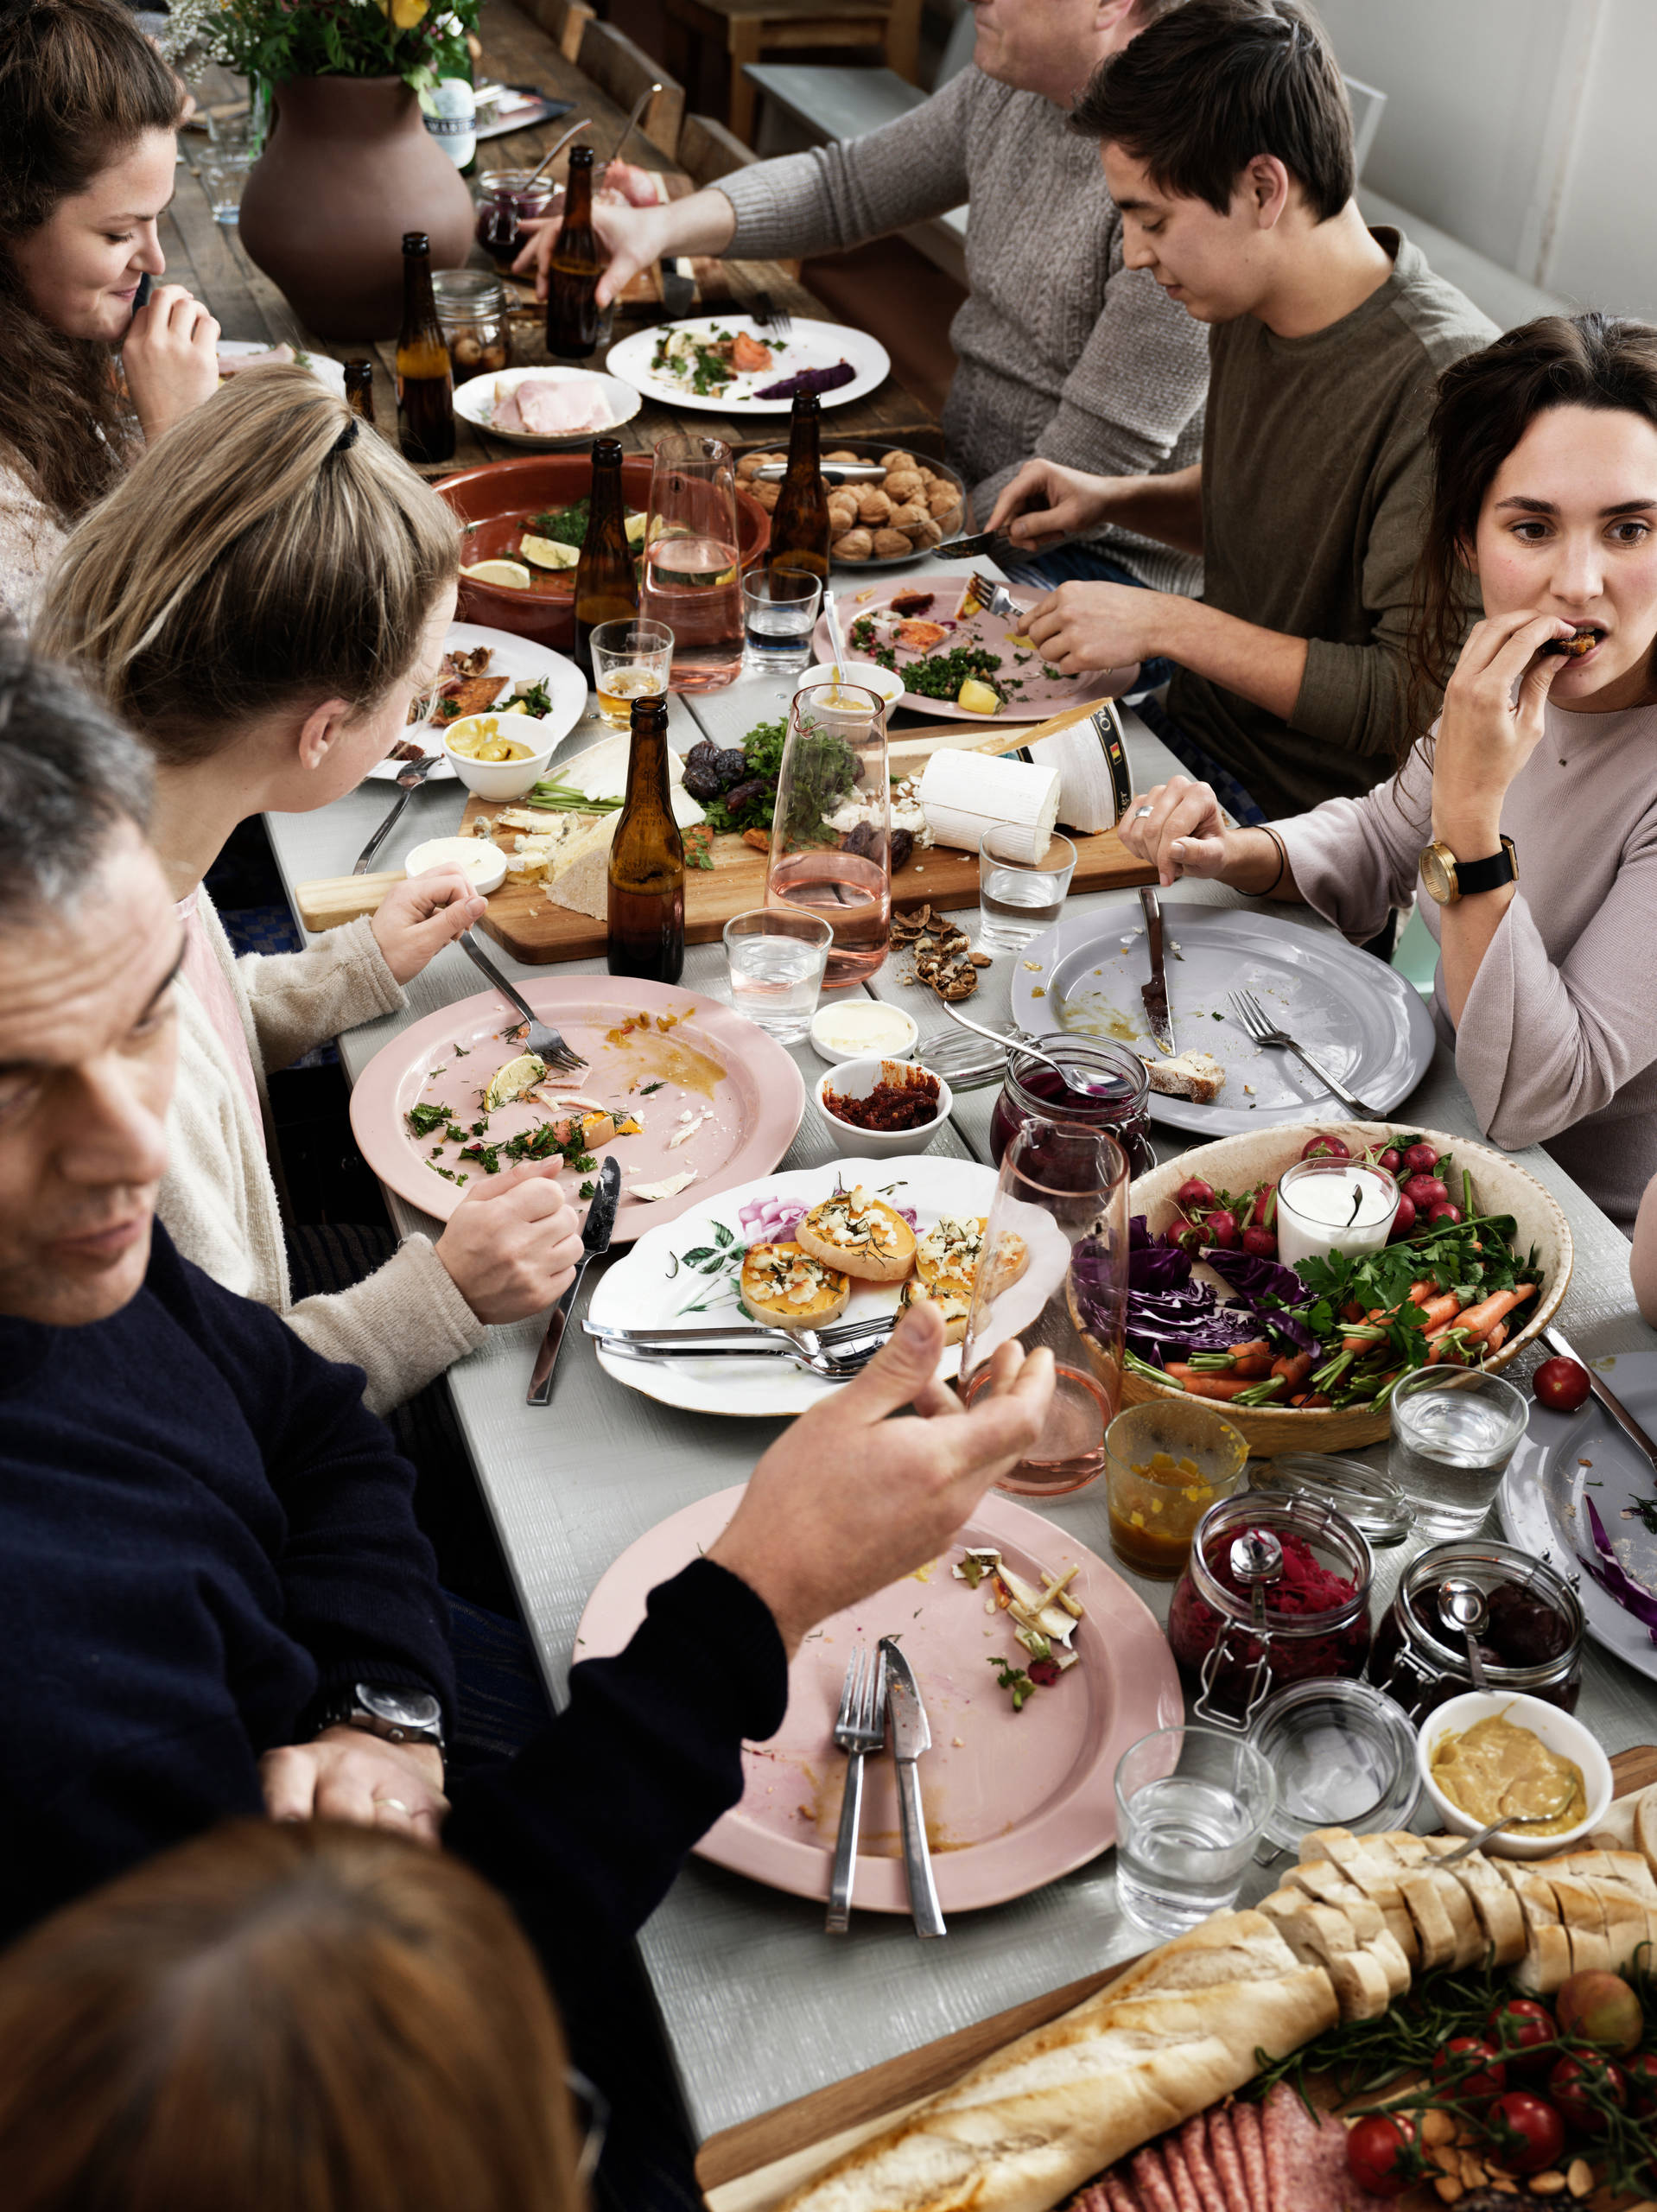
348	164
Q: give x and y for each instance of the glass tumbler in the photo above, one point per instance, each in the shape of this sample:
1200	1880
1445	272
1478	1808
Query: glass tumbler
776	958
1191	1804
1454	1431
692	578
779	612
831	829
1054	1272
630	660
1018	897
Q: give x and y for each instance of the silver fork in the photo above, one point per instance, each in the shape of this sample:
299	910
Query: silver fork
1252	1016
831	1366
860	1728
408	778
546	1044
764	311
994	598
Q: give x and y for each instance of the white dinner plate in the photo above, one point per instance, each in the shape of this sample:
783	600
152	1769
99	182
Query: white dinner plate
322	366
1354	1012
519	658
654	1286
807	346
1542	1494
476	398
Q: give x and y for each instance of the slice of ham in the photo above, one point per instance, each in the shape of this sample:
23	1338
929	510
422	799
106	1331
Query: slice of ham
1251	2146
1227	2160
1179	2175
553	407
1194	2142
1151	2179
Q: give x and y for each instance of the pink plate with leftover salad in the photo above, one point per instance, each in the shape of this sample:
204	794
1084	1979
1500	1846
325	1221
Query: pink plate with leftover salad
918	630
1016	1794
688	1096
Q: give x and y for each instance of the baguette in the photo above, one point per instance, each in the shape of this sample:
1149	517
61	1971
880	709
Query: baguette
1582	1916
1385	1951
1323	1880
1378	1882
1495	1903
1320	1934
1547	1961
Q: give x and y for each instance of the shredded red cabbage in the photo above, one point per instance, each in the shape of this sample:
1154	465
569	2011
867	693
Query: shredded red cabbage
1255	1279
1615	1579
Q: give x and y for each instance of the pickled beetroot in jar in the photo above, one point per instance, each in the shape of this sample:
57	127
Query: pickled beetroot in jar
506	199
1110	1095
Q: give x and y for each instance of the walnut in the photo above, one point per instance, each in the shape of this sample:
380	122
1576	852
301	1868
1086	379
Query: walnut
890	545
963	989
873	505
907	516
943	504
980	959
897	459
855	545
767	494
843	454
842	513
904	484
746	466
924	534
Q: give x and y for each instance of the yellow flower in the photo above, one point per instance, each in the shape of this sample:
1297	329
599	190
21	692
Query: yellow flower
404	14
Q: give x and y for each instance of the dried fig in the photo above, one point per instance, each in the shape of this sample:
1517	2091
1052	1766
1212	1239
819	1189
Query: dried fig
903	847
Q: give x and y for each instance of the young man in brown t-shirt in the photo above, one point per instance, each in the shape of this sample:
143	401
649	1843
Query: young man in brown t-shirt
1227	142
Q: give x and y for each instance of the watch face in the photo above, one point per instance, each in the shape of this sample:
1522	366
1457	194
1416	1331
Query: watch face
403	1708
1438	873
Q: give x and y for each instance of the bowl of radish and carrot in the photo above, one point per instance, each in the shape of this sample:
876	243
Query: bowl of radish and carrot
1478	1261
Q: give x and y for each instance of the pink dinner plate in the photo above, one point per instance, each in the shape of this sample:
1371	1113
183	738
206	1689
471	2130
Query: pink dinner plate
1031	695
717	1097
1013	1800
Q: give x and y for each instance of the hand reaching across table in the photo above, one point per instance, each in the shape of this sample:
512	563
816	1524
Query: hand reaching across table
634	237
169	359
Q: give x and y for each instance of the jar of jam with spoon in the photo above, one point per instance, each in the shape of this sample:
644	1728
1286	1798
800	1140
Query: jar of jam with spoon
1102	1087
1528	1633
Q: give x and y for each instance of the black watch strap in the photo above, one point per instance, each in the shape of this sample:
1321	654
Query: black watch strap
1489	874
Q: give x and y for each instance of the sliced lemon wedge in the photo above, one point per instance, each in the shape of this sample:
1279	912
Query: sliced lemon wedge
635	527
977	698
514	1079
548	553
511	574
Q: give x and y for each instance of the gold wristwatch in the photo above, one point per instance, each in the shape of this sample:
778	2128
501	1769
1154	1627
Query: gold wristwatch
1446	879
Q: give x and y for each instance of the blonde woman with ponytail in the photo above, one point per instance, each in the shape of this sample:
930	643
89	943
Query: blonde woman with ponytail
260	600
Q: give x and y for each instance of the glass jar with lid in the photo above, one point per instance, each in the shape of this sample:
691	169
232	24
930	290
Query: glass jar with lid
1107	1090
1531	1640
1276	1591
471	314
506	200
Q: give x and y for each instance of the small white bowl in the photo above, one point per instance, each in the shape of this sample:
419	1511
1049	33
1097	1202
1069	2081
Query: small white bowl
1559	1731
869	675
855	1011
483	861
504	779
856	1079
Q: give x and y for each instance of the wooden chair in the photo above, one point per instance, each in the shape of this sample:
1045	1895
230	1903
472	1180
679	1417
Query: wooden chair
624	70
747	28
709	151
563	21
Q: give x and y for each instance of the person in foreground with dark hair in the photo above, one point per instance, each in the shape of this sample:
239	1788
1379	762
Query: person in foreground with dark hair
208	2034
1227	143
89	117
216	1596
1531	812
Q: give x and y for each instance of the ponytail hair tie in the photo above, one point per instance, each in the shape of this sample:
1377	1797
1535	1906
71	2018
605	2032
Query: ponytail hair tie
347	438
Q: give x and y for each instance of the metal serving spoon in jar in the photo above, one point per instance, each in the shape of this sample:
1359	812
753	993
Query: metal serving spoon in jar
1464	1605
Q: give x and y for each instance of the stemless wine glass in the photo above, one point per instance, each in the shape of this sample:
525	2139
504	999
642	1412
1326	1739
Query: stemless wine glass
692	568
1054	1272
831	829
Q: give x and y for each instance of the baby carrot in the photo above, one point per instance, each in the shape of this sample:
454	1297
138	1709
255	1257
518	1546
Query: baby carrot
1294	1368
1479	1320
1497	1337
1207	1385
1438	1310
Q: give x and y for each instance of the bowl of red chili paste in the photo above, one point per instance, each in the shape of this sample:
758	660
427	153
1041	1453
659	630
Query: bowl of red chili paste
875	1107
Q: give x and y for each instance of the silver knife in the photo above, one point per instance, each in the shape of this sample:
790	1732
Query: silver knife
410	778
1155	993
1555	1346
910	1736
595	1242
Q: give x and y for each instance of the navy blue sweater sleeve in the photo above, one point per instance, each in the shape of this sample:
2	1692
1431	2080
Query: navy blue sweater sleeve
586	1828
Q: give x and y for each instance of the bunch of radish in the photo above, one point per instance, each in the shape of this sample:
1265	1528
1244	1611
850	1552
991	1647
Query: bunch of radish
1247	1223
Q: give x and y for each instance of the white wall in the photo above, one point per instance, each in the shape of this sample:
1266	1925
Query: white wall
1604	250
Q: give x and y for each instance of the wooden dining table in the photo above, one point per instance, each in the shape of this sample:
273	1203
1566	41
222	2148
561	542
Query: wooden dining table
208	257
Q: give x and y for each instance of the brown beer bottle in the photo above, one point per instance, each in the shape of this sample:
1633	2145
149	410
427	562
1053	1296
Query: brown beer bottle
425	379
799	522
606	590
647	860
359	388
577	264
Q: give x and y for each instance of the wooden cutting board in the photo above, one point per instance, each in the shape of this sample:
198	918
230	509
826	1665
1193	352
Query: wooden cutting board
752	2168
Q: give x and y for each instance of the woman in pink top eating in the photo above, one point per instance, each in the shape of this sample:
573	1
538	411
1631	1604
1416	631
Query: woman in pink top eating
1529	813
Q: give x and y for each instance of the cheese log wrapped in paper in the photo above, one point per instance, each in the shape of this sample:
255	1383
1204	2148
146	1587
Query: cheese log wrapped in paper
964	794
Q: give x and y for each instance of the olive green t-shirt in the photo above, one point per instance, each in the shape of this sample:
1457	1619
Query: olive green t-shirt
1315	479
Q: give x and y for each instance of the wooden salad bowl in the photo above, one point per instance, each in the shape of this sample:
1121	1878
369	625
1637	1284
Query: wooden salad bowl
1500	1185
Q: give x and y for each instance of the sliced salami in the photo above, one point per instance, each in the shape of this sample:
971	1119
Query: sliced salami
1306	2158
1251	2148
1194	2142
1151	2179
1184	2188
1119	2196
1227	2159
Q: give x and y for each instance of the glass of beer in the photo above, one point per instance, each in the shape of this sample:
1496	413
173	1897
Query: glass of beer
631	659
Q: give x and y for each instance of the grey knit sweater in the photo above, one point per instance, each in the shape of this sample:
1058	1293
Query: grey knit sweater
1062	350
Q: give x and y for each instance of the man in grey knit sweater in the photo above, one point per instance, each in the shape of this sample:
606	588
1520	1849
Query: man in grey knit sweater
1063	352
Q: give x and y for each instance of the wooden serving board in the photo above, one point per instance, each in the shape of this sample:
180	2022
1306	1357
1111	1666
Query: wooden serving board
753	2167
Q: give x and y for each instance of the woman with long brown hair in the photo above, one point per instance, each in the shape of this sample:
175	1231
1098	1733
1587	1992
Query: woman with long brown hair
89	116
1529	812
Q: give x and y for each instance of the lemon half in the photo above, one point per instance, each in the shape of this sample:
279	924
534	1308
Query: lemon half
548	553
511	574
514	1079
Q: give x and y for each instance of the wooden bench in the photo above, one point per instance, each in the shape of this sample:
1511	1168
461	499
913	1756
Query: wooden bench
746	30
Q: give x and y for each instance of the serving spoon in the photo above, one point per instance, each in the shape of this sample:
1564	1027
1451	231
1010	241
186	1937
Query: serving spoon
1463	1605
1507	1821
1072	1078
547	160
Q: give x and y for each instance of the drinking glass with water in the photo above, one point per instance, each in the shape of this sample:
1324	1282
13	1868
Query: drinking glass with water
777	963
1018	897
779	612
1454	1431
1191	1804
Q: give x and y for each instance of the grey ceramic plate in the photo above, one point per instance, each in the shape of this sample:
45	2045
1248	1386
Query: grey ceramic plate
1370	1028
1541	1500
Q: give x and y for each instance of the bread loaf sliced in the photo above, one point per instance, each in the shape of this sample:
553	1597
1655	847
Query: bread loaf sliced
1378	1880
1547	1961
1319	1934
1323	1880
1500	1919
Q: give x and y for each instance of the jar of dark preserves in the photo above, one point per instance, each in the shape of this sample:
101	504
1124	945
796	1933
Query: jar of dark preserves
1532	1640
506	200
1276	1591
1110	1094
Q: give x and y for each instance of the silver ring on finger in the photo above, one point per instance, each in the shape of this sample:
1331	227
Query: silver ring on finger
394	1805
1142	814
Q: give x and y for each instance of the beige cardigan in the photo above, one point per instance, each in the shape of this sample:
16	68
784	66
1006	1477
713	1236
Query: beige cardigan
219	1200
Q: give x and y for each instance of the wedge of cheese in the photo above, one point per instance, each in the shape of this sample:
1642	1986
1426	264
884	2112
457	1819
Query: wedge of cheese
579	877
601	773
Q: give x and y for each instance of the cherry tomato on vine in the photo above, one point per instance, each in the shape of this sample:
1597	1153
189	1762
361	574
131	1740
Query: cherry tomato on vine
1383	2153
1515	2027
1458	2077
1640	2074
1524	2132
1569	2081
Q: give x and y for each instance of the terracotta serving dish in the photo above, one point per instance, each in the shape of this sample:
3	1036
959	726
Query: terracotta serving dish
1500	1185
496	501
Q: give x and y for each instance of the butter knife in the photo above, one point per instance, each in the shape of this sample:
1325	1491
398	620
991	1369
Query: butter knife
1155	993
596	1241
410	778
910	1736
1556	1347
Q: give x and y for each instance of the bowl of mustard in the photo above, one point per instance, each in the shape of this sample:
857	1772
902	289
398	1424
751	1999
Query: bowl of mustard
499	756
1490	1752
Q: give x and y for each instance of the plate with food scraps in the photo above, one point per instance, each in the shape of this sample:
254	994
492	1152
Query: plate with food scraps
1015	1795
687	1274
920	630
692	1099
486	671
1354	1012
236	354
1566	1462
544	409
727	364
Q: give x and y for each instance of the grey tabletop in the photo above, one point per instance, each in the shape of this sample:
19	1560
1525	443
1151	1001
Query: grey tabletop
760	2007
